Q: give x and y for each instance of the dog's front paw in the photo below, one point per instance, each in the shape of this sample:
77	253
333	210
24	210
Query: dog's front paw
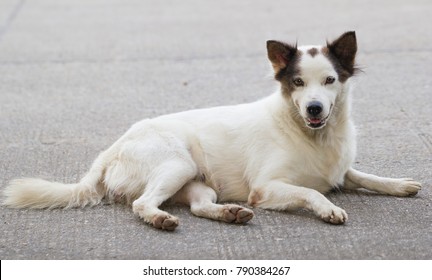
334	215
405	187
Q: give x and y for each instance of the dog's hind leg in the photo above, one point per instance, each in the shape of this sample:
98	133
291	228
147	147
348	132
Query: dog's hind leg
398	187
167	179
202	200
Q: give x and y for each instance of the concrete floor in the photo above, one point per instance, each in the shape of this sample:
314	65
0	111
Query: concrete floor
74	75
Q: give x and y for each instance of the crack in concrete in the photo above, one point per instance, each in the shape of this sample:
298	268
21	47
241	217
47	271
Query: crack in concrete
5	26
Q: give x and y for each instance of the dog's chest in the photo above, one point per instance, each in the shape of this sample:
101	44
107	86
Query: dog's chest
317	166
325	170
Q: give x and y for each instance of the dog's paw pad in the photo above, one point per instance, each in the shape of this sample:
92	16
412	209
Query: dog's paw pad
236	214
335	216
165	222
244	215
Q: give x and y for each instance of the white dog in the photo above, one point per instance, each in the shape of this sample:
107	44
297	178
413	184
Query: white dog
281	152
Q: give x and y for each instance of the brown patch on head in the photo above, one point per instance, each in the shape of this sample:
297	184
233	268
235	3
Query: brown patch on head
255	198
284	59
341	53
313	52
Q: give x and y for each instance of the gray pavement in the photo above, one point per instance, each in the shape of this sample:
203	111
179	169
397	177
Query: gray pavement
74	75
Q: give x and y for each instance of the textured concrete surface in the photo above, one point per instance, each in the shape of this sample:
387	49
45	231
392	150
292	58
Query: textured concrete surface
74	75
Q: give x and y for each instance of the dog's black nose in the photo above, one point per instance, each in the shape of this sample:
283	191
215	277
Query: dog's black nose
314	108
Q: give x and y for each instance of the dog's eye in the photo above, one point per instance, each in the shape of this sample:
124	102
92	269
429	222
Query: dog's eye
298	82
330	80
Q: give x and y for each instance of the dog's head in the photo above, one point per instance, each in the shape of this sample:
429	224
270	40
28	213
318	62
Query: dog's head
313	76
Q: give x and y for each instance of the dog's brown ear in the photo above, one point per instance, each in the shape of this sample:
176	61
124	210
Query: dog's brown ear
280	54
344	49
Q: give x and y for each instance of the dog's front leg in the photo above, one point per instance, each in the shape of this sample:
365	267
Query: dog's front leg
281	196
398	187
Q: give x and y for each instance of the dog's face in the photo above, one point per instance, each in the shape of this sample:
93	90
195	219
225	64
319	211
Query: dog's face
313	76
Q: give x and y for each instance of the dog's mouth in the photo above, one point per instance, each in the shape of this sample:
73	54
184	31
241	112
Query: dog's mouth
316	123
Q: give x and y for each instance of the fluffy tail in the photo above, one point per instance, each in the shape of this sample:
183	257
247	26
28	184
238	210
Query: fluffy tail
38	193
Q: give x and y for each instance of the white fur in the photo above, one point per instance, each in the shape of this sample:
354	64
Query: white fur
253	152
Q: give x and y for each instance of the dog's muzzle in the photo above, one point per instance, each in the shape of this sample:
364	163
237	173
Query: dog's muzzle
314	119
